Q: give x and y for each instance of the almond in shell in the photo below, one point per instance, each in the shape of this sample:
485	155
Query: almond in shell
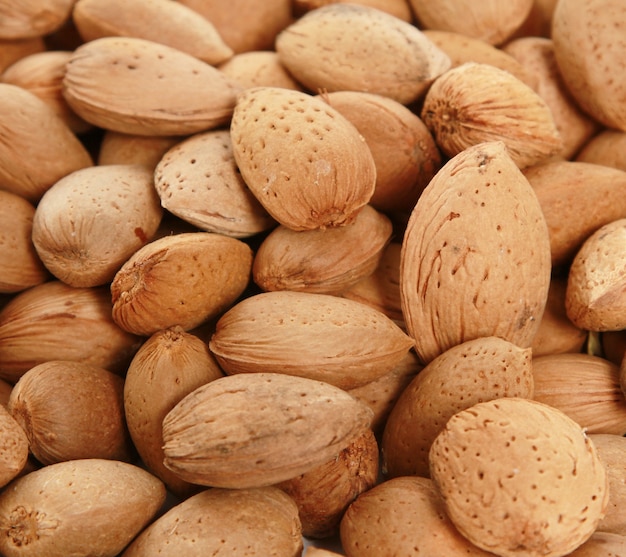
13	447
123	148
607	148
29	19
259	68
12	50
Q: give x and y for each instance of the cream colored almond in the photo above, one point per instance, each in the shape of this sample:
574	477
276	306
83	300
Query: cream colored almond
122	148
607	148
397	8
12	50
29	19
259	68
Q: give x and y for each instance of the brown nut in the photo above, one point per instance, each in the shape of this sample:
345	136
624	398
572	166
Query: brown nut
13	447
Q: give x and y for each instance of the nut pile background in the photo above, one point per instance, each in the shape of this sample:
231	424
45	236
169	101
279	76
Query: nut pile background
304	277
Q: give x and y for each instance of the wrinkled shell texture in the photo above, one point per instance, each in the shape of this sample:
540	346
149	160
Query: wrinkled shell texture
13	447
519	478
475	260
26	20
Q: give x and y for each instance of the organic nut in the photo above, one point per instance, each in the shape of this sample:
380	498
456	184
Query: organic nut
402	516
348	47
258	429
198	180
71	410
55	321
84	240
519	478
24	120
184	279
471	372
307	164
322	261
20	266
165	22
475	256
79	507
474	103
12	50
254	522
585	387
167	367
259	68
318	336
13	447
137	86
595	299
30	19
122	148
607	148
397	8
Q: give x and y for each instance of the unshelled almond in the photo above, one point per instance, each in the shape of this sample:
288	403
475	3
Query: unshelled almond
259	68
29	20
607	148
13	447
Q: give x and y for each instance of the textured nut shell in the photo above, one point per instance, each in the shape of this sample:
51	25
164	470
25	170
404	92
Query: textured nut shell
589	44
493	21
474	103
12	50
162	21
20	266
24	120
519	476
251	430
607	148
184	279
471	372
576	199
347	47
122	148
55	321
198	181
80	507
259	522
28	18
585	387
13	447
307	164
71	410
137	86
601	544
397	8
84	240
259	68
403	148
322	261
167	367
478	210
319	336
596	288
402	516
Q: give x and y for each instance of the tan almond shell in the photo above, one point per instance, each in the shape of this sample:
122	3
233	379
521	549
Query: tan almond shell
258	429
72	410
462	48
476	102
13	447
612	451
55	321
122	148
536	54
322	261
305	163
478	210
474	371
515	473
167	367
601	544
403	148
20	266
161	21
42	73
256	522
402	516
398	8
580	30
137	86
317	336
324	493
607	148
12	50
184	279
198	181
595	299
576	199
25	119
585	387
492	21
84	240
350	47
78	507
259	68
28	19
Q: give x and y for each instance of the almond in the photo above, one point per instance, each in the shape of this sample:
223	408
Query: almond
349	47
258	429
13	447
397	8
307	164
259	68
601	544
123	148
29	19
607	148
318	336
12	50
475	258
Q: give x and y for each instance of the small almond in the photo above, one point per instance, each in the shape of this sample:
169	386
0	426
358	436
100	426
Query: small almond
13	447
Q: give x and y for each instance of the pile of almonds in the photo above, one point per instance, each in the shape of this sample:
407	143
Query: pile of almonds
309	277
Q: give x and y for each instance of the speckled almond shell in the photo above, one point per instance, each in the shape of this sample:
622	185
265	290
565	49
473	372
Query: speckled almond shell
307	164
13	447
519	478
475	258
